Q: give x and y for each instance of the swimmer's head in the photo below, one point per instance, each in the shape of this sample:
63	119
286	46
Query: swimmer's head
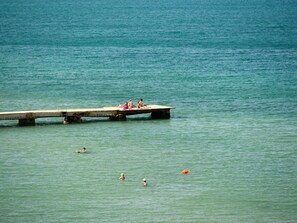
144	180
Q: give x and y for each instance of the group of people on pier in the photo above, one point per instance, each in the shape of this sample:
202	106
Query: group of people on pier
130	105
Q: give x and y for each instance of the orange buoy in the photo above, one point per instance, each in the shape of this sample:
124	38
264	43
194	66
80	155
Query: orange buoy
185	172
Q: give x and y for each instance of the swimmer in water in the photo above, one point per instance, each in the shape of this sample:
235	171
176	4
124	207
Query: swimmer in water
122	177
145	183
82	150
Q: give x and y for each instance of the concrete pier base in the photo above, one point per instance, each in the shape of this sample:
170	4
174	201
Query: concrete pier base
72	119
164	114
27	122
118	117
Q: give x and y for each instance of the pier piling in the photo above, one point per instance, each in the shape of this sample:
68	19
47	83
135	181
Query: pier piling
164	114
27	122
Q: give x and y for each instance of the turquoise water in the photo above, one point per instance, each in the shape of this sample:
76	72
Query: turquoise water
228	67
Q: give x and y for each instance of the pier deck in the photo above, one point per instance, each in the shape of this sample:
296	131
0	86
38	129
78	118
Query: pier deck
75	115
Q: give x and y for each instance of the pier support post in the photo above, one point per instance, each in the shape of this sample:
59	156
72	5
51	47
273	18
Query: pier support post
118	117
164	114
72	119
27	122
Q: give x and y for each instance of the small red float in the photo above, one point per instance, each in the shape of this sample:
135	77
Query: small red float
185	172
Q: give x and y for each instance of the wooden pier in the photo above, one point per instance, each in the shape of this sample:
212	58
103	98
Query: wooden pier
27	118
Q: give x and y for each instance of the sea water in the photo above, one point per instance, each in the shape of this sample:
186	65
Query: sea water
228	68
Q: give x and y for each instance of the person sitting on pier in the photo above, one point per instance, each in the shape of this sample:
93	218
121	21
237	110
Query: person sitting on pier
82	150
124	106
140	103
130	104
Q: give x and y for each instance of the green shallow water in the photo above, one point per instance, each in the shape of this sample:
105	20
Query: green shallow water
241	170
